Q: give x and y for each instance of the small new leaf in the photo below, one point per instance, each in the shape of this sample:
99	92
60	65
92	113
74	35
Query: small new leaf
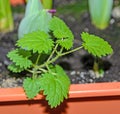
20	60
31	87
96	45
62	32
37	41
14	68
55	86
66	43
60	29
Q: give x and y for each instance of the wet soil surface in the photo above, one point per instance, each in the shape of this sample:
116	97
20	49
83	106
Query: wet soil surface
78	65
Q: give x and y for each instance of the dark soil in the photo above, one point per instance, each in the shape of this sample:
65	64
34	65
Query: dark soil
77	65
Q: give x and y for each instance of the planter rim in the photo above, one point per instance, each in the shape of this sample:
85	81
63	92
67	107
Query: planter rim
76	91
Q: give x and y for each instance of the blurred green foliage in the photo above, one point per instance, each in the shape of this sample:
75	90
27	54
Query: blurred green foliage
6	19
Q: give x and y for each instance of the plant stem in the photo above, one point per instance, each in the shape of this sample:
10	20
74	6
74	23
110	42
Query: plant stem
49	62
38	59
52	52
29	70
35	68
68	52
59	55
52	60
43	70
47	67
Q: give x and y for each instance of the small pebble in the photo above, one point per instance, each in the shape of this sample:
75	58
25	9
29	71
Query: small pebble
112	21
78	73
116	12
73	80
86	29
73	73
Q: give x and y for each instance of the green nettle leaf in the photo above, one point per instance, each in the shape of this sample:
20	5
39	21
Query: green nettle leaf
14	68
24	53
38	41
95	45
62	32
60	29
31	87
55	86
20	60
66	43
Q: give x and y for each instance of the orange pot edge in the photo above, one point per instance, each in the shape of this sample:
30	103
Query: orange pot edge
76	91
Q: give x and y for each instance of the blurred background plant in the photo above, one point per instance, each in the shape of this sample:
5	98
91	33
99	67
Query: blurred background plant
47	4
6	19
100	12
36	18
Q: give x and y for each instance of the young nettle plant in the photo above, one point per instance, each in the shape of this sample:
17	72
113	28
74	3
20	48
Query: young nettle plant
46	76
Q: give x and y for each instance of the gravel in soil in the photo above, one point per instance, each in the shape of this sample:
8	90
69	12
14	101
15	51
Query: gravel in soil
78	65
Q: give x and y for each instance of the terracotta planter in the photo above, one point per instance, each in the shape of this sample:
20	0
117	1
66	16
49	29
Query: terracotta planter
100	98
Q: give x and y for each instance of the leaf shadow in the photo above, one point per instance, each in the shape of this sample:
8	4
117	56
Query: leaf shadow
58	110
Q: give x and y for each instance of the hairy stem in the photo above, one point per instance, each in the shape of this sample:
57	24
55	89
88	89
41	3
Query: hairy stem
35	69
49	62
59	55
43	70
30	71
37	59
51	55
71	51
